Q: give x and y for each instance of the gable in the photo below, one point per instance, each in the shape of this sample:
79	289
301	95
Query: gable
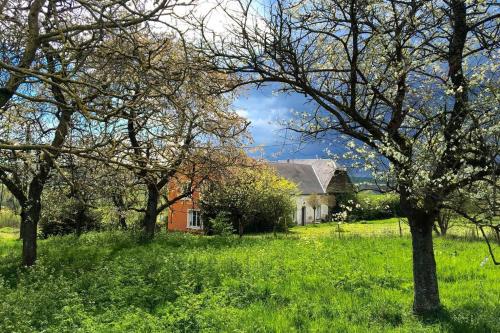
301	174
339	183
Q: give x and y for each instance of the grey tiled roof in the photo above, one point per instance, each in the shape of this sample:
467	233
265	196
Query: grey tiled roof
301	174
314	175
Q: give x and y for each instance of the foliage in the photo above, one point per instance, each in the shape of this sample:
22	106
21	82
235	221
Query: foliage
68	216
367	206
8	218
374	206
221	225
107	282
256	198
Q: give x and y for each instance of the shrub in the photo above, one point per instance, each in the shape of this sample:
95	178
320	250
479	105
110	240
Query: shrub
254	199
367	206
372	206
67	217
220	225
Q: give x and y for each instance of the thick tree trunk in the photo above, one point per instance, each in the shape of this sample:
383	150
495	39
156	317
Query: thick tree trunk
29	224
426	293
149	222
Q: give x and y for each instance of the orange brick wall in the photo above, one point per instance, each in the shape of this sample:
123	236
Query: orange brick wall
178	212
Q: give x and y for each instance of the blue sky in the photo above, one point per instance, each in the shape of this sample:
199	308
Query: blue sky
267	111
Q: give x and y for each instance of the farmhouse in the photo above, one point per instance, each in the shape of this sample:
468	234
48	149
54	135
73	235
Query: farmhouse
185	214
320	181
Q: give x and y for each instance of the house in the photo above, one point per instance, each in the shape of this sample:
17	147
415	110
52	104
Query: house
184	214
319	182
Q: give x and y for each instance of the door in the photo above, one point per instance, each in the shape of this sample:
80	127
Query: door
303	216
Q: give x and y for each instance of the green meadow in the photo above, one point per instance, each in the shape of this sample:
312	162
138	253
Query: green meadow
321	278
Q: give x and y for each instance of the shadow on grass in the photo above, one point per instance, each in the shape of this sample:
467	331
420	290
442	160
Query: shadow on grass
457	320
66	254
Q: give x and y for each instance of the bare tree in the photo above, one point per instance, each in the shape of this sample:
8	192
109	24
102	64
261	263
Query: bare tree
45	82
174	121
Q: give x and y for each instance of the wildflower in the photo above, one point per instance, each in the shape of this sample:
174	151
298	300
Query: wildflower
485	260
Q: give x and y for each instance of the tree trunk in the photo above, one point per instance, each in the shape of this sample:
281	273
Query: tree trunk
29	224
1	196
122	221
240	228
426	293
121	208
23	218
80	216
149	221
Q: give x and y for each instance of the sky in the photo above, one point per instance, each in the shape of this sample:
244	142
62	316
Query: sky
267	113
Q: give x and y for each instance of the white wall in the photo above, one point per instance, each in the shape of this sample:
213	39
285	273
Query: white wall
301	201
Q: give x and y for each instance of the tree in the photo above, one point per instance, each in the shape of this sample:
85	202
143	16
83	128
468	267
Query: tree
330	201
275	199
173	124
480	206
233	194
415	82
252	195
45	83
314	201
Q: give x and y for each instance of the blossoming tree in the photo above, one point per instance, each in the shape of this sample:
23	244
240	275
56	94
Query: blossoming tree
413	81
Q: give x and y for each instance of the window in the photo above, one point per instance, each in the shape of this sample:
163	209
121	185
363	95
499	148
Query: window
194	219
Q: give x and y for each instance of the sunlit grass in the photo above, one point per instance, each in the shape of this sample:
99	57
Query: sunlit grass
307	281
386	227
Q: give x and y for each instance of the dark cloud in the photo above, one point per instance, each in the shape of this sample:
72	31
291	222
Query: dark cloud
268	113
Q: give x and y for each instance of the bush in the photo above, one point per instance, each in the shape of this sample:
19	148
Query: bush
367	206
372	206
220	225
70	216
257	199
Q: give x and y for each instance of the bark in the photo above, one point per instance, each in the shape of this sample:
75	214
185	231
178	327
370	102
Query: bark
23	218
426	293
31	209
240	228
80	217
121	208
30	47
1	197
122	221
149	221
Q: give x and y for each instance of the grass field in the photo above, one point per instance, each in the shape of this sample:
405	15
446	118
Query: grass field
311	280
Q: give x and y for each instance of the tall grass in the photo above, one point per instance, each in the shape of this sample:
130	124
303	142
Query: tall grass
8	218
110	282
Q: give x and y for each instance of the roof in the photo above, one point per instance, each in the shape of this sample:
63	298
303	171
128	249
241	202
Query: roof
324	169
301	174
